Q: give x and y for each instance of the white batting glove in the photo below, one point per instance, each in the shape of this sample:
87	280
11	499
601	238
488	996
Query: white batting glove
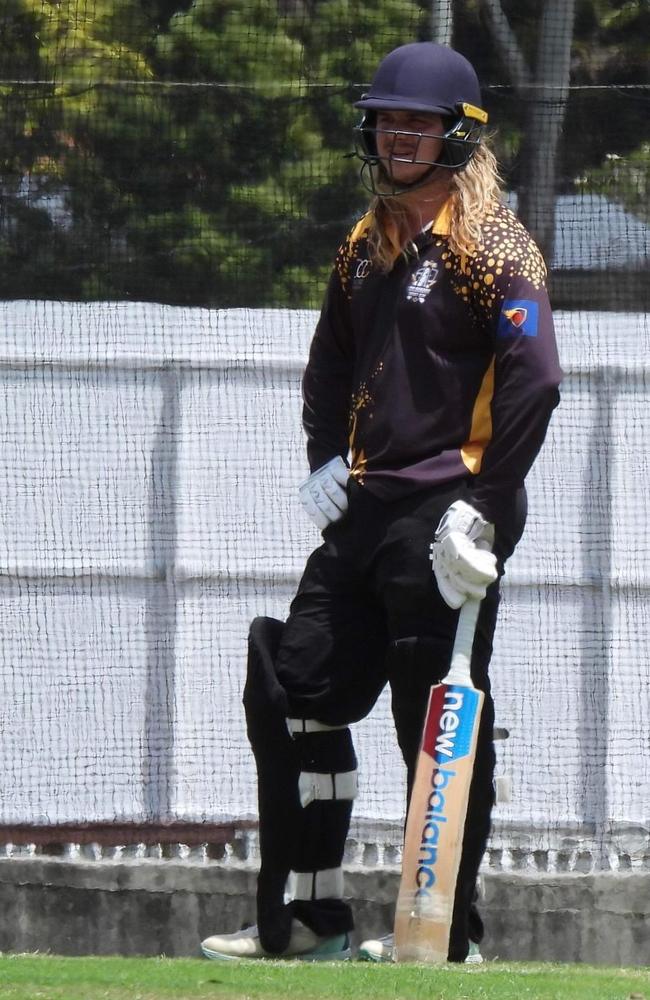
462	557
323	495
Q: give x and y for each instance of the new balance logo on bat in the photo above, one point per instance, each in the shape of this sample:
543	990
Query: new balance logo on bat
447	739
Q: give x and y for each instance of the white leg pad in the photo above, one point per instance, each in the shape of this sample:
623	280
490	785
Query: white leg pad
326	884
334	787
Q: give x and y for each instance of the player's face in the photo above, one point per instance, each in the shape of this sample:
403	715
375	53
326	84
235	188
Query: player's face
408	142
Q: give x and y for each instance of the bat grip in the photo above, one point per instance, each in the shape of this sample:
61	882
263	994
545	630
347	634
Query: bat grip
459	671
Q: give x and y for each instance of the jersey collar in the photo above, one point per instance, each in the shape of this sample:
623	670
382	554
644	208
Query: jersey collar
441	225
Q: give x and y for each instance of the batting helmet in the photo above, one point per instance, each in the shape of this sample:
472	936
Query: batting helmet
429	78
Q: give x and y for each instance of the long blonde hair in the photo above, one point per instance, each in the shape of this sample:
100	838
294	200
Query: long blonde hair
475	192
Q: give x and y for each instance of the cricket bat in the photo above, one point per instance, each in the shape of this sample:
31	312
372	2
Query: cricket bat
436	819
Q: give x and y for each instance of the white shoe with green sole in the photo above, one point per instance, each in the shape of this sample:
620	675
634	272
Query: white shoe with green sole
303	945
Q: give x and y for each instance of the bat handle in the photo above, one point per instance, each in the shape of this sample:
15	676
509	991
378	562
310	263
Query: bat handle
459	671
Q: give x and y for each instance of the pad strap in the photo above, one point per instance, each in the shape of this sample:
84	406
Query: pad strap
297	726
315	787
326	884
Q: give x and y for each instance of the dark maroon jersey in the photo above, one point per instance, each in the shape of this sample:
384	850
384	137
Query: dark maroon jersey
446	366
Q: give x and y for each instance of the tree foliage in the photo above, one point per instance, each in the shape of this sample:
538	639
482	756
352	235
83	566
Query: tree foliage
196	151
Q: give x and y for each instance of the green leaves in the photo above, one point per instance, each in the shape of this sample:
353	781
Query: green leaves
194	151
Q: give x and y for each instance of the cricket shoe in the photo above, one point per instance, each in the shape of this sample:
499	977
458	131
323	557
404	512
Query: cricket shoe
382	950
303	945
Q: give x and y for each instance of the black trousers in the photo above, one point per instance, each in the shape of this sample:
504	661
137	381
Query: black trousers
368	612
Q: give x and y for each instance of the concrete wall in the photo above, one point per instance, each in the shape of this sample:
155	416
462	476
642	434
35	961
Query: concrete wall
157	907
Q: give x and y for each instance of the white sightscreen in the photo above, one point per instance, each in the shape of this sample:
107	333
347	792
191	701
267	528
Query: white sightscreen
150	459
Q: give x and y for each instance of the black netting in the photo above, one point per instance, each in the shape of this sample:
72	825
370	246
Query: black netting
174	183
195	153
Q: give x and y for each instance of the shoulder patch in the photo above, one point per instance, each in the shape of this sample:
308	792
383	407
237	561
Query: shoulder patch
518	317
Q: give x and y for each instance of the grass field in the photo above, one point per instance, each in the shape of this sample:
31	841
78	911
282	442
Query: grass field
41	977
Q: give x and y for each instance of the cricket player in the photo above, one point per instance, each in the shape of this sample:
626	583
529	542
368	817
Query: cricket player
431	379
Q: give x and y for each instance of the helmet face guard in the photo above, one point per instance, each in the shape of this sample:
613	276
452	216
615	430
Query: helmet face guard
460	138
429	79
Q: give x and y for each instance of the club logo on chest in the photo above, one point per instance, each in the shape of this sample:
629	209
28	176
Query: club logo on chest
422	281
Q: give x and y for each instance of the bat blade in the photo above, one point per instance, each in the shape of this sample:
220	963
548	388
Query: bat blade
436	822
